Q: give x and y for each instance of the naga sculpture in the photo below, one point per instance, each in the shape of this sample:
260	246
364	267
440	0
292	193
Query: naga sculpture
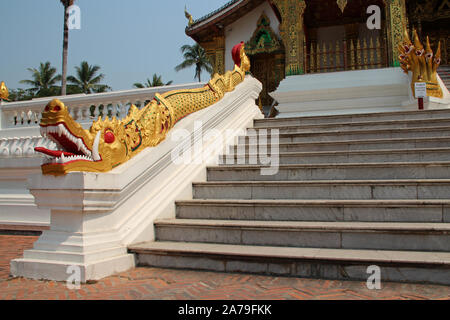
110	143
4	94
422	62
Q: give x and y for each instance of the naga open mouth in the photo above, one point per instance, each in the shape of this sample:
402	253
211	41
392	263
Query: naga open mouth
70	147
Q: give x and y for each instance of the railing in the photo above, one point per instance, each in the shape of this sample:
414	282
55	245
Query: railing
83	108
354	54
19	125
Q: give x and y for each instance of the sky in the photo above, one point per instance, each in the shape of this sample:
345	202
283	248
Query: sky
129	39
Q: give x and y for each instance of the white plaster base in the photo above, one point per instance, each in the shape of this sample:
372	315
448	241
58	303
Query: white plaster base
361	91
96	216
17	205
429	103
58	271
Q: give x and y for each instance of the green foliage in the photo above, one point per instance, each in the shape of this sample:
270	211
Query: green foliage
87	80
21	94
195	55
155	82
43	81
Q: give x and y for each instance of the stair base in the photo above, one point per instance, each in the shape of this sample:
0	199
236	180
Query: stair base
337	264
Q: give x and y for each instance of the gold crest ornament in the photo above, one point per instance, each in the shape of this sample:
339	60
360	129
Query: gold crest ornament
109	143
422	62
4	93
189	17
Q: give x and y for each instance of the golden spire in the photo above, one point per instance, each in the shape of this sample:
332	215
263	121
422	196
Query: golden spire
189	17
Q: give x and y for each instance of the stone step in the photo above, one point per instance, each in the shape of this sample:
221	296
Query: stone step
406	155
347	171
351	135
381	116
431	211
338	264
351	145
327	189
365	125
307	234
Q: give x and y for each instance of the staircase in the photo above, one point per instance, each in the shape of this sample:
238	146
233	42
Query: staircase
352	191
444	73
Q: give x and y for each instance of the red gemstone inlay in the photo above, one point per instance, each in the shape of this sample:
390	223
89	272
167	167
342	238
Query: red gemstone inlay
109	137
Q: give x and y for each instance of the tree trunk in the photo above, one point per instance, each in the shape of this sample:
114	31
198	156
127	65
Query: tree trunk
65	51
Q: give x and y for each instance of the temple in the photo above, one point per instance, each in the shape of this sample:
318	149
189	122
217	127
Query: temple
295	37
353	172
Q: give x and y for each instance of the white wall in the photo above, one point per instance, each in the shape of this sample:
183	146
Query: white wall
242	30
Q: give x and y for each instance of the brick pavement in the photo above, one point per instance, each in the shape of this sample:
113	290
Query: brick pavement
153	283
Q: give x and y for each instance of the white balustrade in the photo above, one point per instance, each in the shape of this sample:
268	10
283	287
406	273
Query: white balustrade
83	108
19	125
20	134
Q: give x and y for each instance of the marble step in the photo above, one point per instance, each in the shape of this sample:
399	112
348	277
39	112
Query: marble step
353	145
337	264
365	125
325	190
333	171
313	157
350	135
431	211
307	234
381	116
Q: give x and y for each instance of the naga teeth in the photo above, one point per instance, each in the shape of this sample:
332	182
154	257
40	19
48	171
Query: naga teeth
95	154
61	130
79	144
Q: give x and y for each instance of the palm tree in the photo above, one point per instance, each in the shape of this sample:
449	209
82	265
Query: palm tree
66	4
195	55
155	82
43	82
87	80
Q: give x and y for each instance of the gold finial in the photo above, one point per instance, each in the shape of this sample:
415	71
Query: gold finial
4	94
189	17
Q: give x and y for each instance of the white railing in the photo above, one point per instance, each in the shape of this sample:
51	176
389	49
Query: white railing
82	107
19	121
20	134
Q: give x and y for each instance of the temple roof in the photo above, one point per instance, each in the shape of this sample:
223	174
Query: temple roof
221	17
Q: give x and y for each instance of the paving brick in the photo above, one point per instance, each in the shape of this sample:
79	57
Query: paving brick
168	284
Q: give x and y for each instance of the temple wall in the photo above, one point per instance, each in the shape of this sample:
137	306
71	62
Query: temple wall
242	30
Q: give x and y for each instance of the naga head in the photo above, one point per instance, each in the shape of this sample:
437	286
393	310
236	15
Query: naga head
422	62
240	57
96	150
4	94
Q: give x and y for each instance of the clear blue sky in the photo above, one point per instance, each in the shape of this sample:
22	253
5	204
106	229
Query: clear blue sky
129	39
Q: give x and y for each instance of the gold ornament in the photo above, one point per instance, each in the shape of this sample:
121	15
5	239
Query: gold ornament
109	143
422	62
342	4
4	93
189	17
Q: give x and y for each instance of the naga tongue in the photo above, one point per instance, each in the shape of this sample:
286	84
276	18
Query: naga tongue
53	153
